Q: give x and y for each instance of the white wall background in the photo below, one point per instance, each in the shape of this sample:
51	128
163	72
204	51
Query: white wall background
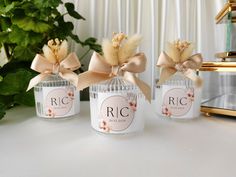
158	21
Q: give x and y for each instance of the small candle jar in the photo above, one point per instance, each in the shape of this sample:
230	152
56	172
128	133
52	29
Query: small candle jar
178	98
56	97
116	107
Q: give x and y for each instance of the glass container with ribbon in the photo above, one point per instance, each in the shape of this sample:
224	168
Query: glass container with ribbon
55	90
178	90
117	95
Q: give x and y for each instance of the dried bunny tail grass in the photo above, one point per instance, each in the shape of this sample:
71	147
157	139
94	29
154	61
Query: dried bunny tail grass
110	53
129	47
49	55
173	52
63	50
187	52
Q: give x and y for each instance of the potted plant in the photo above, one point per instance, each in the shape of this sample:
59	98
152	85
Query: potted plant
25	26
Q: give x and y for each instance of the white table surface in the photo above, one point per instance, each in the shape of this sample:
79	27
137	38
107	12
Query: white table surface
34	147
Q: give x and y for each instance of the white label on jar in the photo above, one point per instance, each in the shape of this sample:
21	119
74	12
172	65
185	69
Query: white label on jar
58	101
116	111
177	101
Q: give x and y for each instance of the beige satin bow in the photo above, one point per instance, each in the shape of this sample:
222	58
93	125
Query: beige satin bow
99	70
187	66
64	68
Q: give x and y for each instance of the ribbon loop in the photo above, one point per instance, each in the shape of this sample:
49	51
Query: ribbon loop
136	64
65	69
40	64
71	62
169	67
100	70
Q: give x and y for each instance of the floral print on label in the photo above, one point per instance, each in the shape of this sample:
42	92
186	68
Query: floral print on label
166	111
50	113
132	99
70	93
103	126
190	94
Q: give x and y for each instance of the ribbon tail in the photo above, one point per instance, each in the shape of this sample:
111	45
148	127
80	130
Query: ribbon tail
34	81
89	78
166	73
191	74
145	89
70	76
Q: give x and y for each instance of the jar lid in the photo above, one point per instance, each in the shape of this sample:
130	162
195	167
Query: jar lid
179	79
53	80
113	85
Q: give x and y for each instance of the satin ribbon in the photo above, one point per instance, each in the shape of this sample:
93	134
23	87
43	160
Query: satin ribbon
65	69
187	67
99	70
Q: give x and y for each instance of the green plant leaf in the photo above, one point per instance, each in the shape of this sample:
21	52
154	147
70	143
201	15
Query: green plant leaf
1	78
24	53
6	100
2	110
71	11
13	66
25	98
47	3
4	37
67	27
15	83
90	40
31	24
5	23
96	47
24	38
18	36
63	29
2	3
75	38
8	8
30	9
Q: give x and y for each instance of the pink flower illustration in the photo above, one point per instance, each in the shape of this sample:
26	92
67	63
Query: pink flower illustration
103	125
133	106
190	94
71	95
166	111
132	99
50	113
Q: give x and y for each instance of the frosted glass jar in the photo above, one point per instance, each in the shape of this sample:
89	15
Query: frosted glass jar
116	107
178	98
56	97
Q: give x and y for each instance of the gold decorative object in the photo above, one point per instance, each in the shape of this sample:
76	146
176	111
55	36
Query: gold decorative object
225	55
222	16
227	16
223	103
219	66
